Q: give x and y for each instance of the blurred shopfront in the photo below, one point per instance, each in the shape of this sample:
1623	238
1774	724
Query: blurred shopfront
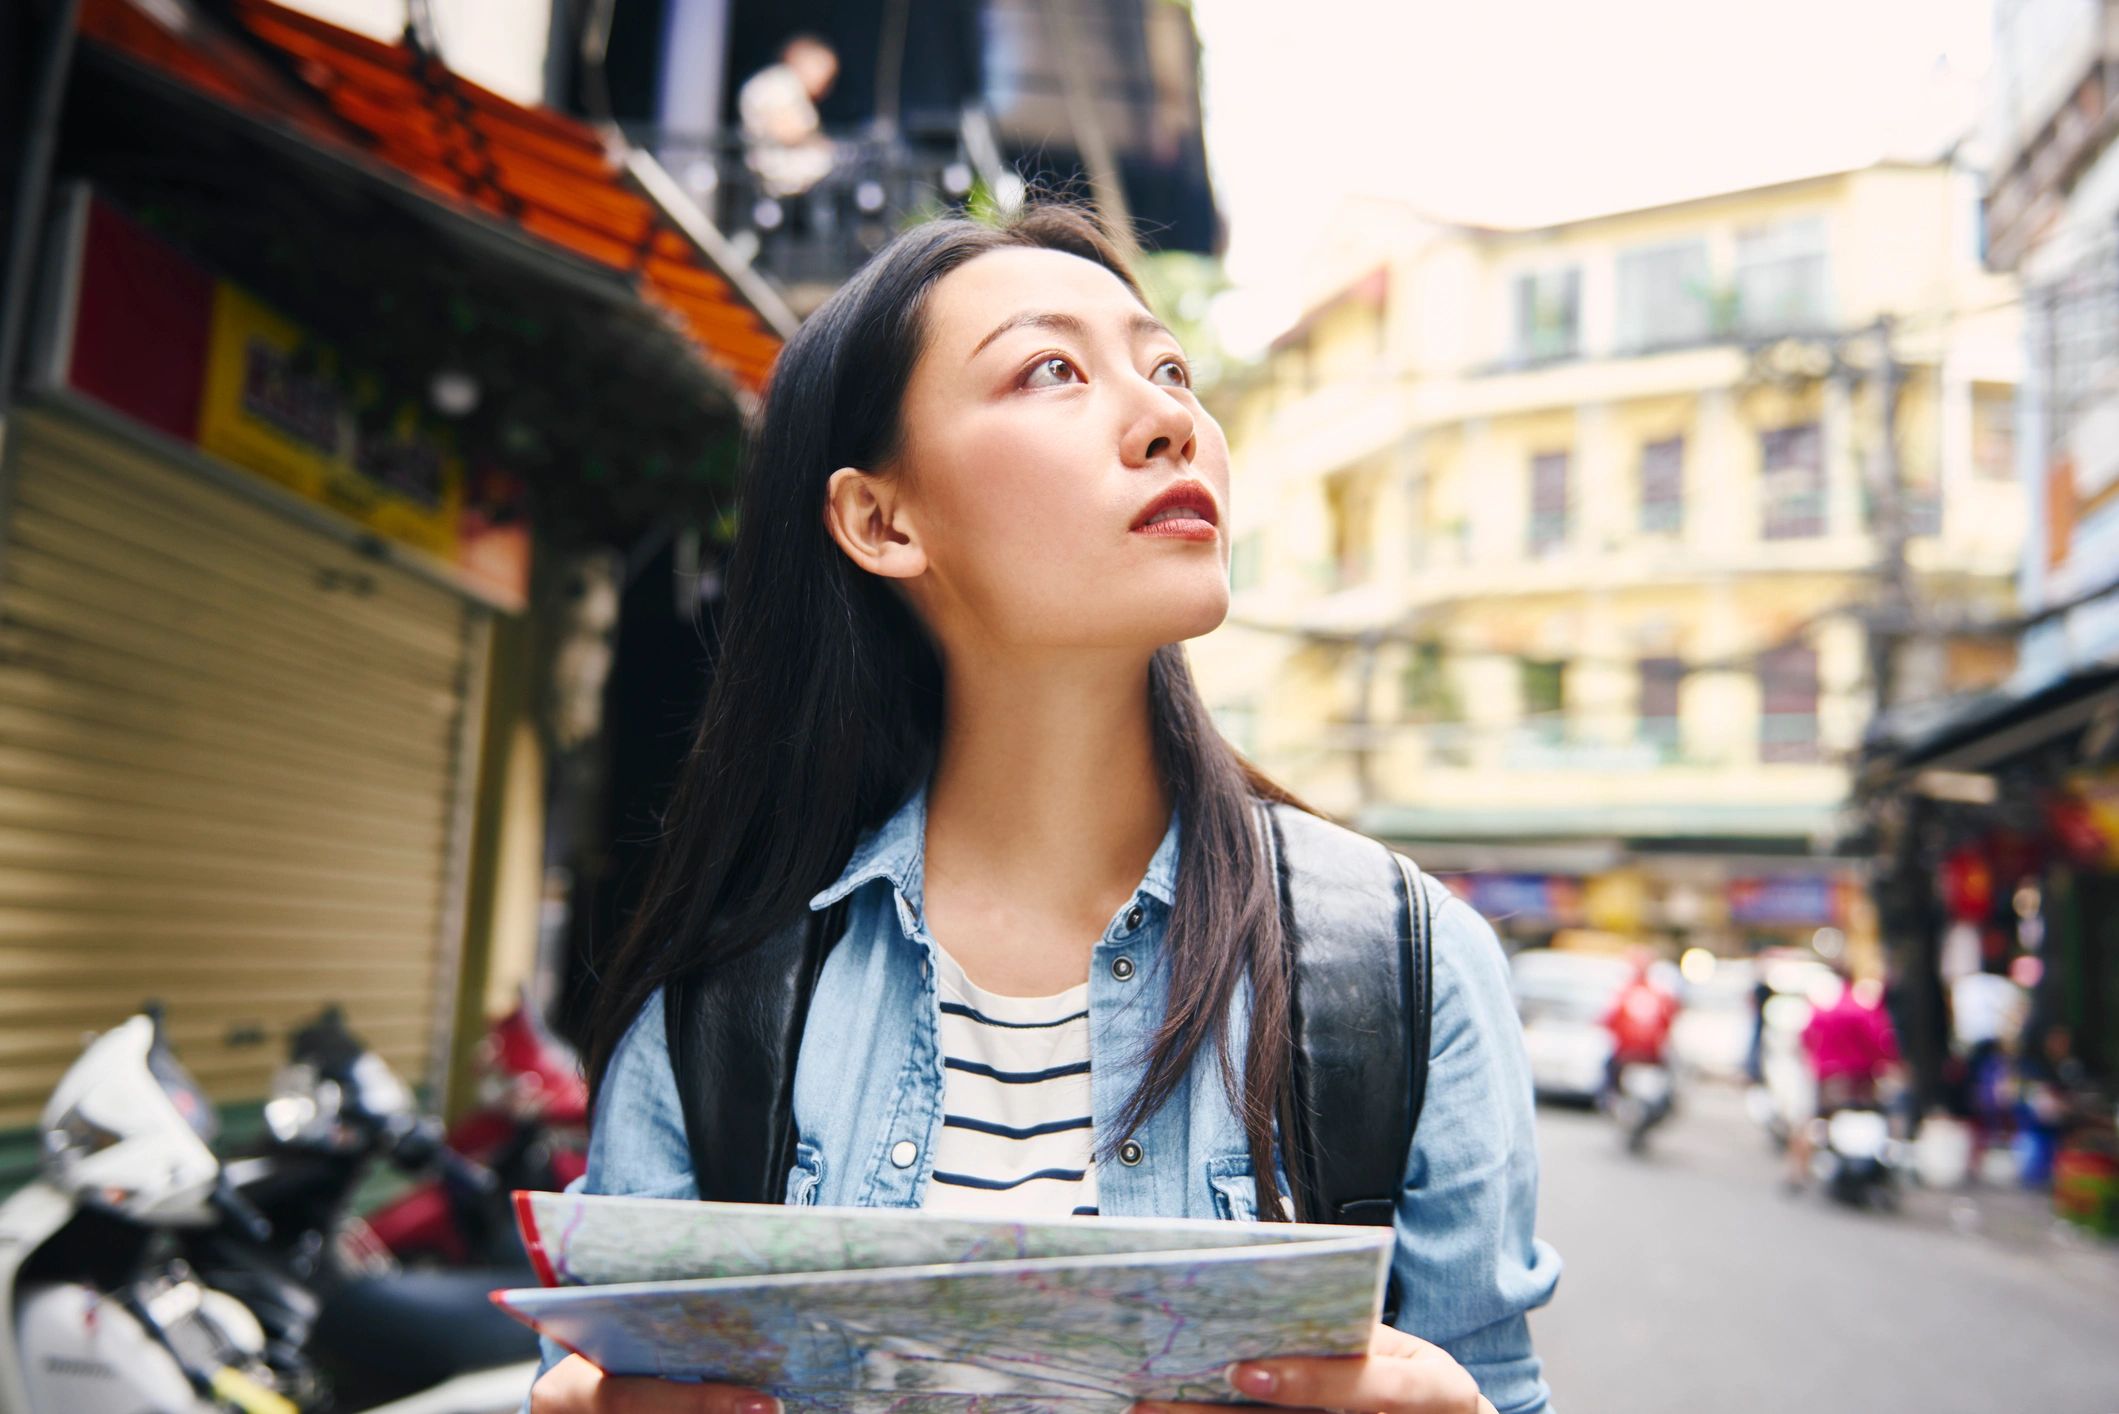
1998	836
336	366
1728	906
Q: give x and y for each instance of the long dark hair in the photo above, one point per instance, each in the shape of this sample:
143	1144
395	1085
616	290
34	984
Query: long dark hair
826	709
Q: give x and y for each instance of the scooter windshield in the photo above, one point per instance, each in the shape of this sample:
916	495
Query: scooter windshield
184	1092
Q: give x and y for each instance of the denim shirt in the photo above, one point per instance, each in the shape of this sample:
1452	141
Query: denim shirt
868	1103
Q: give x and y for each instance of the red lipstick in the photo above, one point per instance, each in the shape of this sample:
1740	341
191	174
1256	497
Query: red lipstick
1184	510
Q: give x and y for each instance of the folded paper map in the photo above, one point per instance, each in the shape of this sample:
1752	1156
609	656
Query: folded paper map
891	1309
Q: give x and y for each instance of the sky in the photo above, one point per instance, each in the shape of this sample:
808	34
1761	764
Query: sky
1521	112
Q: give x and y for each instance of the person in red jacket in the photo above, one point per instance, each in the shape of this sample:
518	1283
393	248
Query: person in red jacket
1639	1021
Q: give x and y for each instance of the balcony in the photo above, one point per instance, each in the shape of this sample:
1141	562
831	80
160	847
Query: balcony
2059	113
809	242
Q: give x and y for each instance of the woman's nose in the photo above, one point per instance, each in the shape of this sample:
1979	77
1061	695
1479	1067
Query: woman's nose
1164	427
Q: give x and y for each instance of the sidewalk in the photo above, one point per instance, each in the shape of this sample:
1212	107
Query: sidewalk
2004	1214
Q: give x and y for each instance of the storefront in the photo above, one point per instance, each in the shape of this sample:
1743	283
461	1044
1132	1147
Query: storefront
1998	836
325	341
240	684
1728	905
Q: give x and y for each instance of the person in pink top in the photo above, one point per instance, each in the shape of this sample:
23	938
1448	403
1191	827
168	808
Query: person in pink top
1851	1045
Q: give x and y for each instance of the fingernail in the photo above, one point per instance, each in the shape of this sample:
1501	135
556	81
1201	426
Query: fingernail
759	1404
1252	1379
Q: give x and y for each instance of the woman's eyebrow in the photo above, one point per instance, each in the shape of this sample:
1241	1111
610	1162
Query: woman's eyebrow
1136	325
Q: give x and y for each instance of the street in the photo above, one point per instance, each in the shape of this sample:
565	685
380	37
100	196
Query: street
1692	1282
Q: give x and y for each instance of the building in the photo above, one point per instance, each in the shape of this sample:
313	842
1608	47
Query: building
1569	559
1997	813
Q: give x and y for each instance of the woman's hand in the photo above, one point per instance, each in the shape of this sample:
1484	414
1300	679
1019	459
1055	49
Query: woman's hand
1399	1375
574	1386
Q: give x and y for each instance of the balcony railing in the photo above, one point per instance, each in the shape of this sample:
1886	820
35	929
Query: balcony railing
819	236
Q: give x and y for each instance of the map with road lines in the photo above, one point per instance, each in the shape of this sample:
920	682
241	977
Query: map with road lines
872	1309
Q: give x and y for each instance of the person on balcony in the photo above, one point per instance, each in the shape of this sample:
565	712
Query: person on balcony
783	139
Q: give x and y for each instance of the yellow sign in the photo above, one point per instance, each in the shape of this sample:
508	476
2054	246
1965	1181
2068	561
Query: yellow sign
276	403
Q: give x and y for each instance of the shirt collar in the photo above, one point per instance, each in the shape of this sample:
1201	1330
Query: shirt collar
896	850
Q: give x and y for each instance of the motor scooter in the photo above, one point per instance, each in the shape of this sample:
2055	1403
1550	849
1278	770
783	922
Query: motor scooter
1856	1159
115	1289
529	1130
1642	1098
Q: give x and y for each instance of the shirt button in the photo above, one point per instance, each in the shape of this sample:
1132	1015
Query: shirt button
1122	968
1129	1153
1133	917
903	1153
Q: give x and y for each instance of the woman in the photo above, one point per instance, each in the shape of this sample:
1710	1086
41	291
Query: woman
983	509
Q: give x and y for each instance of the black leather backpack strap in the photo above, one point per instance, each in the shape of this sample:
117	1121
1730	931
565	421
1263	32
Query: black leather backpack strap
734	1034
1360	928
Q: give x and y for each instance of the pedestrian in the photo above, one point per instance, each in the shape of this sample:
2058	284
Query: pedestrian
1987	1015
1755	1052
783	137
982	510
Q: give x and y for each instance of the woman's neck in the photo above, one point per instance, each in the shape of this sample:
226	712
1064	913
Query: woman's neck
1043	813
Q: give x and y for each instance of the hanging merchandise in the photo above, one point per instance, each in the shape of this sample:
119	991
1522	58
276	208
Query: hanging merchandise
1968	884
2083	815
1959	953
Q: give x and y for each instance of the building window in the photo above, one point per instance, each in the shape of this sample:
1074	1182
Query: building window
1920	503
1663	296
1548	502
1788	705
1545	700
1661	680
1792	482
1781	277
1994	433
1427	695
1548	315
1246	561
1663	486
1347	510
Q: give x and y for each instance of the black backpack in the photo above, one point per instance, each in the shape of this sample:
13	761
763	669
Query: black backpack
1360	924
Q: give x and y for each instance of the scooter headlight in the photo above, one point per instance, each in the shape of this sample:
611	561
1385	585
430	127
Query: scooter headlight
74	1136
304	1108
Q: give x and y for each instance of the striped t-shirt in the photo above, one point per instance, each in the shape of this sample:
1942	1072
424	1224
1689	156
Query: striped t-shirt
1017	1129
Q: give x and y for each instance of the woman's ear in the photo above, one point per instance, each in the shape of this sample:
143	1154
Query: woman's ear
869	518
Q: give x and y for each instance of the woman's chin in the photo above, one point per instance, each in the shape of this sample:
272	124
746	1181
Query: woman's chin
1190	610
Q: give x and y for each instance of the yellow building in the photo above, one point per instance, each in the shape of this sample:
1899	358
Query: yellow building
1563	557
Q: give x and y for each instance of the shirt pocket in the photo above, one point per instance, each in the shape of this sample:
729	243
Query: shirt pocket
1236	1195
805	1177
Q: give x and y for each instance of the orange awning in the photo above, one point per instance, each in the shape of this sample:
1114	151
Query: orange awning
549	176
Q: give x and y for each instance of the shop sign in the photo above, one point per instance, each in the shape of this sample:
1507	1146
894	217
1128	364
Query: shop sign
1786	900
1533	898
151	335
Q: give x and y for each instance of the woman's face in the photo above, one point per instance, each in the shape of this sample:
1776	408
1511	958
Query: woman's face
1048	416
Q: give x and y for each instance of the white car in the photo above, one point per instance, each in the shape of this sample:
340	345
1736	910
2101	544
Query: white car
1563	998
1712	1034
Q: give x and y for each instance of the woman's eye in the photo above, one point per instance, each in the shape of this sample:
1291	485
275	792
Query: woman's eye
1051	372
1183	377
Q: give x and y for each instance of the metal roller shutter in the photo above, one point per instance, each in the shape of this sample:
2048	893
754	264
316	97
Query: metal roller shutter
231	770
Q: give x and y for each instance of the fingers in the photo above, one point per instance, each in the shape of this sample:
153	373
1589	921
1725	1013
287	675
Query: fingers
574	1386
646	1396
1403	1376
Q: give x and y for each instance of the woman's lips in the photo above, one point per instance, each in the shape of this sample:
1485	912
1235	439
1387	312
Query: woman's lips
1179	528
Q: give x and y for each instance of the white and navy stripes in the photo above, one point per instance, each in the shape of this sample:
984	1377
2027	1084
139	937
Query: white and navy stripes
1017	1128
